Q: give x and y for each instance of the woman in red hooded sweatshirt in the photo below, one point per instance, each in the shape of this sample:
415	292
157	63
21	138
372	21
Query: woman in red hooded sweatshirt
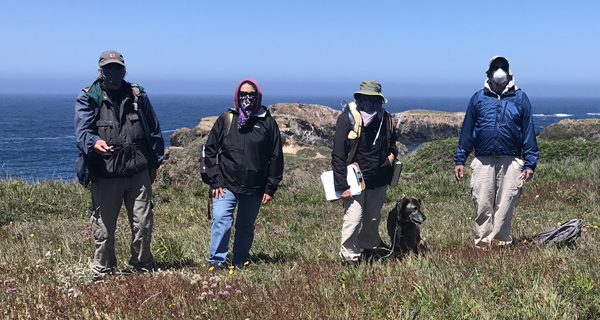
245	165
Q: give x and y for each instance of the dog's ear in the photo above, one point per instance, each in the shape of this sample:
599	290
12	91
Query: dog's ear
403	203
420	202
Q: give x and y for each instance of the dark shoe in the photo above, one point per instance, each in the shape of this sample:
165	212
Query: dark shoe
102	276
375	254
215	266
243	265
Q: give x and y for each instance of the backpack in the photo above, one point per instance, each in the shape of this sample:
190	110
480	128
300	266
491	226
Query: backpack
565	233
356	127
227	117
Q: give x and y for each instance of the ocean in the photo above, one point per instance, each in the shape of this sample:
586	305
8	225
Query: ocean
37	141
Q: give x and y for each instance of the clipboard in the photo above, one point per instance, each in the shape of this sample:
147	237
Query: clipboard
354	179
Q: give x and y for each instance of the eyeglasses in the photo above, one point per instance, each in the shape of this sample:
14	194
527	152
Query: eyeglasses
499	66
113	66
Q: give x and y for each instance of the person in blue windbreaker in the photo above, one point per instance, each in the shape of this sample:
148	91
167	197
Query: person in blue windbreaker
498	124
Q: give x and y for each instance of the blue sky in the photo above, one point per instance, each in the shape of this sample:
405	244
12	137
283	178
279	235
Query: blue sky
414	48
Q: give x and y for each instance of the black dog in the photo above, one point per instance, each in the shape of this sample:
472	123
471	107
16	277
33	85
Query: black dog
402	224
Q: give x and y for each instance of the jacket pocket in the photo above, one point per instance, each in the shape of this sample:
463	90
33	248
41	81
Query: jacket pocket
105	129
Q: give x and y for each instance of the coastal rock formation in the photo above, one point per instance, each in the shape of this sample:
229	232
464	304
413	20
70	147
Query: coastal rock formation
306	124
585	129
307	131
415	126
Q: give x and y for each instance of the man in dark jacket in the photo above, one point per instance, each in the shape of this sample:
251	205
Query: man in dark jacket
374	154
245	164
120	147
499	126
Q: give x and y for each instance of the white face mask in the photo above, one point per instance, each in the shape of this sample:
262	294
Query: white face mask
500	76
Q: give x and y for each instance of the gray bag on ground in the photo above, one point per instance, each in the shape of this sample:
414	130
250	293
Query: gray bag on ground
564	234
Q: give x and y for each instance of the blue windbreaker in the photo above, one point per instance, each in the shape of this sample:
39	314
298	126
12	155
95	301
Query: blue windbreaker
499	125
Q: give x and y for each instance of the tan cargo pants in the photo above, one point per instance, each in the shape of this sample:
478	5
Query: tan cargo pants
496	185
107	198
365	210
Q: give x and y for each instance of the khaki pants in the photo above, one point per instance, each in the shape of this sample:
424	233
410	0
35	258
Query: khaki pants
362	209
496	185
107	198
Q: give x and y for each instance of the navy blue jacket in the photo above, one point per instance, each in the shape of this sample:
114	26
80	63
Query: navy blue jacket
498	125
86	130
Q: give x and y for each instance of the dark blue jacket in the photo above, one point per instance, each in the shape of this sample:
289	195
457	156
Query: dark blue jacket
498	125
87	109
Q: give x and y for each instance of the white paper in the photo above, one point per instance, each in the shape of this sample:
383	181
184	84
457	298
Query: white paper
329	184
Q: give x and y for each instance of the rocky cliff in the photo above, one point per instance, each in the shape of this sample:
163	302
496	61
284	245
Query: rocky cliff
307	131
584	129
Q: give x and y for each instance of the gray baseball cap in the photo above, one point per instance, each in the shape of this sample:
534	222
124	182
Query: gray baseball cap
111	56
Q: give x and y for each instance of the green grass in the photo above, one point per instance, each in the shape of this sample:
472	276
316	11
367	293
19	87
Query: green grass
45	254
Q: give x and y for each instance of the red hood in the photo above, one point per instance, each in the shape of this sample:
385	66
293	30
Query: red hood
258	96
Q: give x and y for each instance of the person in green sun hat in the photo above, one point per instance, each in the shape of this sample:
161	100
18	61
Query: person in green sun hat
364	135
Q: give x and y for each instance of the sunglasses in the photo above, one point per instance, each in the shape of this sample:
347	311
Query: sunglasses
245	93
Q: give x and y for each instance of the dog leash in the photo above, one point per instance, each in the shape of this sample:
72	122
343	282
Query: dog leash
393	246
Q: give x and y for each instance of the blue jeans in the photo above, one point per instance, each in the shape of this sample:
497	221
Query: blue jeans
244	227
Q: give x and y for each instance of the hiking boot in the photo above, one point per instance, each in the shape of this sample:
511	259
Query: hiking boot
215	266
242	265
102	276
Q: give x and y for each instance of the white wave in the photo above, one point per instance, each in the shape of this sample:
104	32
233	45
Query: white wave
561	115
36	138
168	131
593	114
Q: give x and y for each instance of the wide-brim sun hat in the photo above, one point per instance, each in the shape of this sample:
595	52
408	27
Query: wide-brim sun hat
370	88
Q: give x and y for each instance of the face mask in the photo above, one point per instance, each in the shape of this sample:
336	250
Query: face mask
247	102
500	76
370	104
113	76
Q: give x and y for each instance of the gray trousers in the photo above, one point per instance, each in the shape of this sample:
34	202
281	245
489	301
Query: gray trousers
496	185
107	197
363	209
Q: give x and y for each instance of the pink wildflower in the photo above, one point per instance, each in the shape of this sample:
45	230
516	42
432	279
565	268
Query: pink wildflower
227	287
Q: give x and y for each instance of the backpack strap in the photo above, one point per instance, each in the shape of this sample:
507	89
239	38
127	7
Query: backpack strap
390	126
135	89
355	130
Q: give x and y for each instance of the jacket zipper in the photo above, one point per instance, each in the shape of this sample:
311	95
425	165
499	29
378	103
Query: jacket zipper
496	128
504	111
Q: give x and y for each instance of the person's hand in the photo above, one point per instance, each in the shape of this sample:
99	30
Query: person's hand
266	198
346	195
391	158
459	171
101	147
218	191
527	174
152	172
